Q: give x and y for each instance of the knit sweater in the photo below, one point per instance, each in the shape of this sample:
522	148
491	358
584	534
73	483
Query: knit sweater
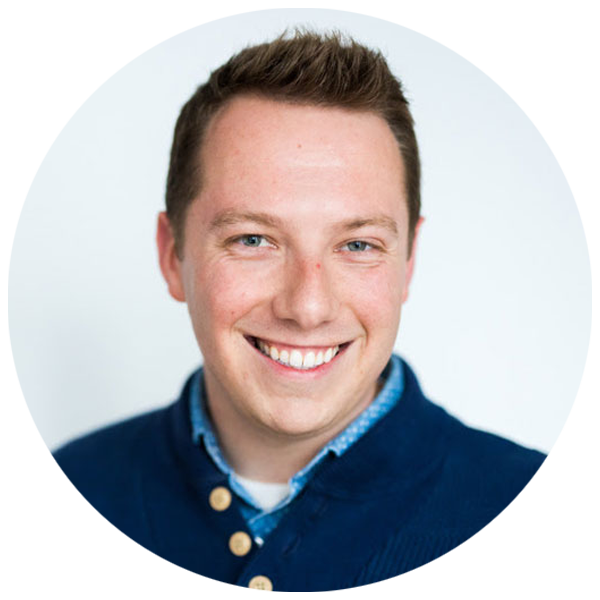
416	485
259	521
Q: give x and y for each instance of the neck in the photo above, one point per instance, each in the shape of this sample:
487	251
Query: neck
256	452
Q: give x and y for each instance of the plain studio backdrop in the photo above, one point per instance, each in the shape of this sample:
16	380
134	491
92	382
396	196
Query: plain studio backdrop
498	319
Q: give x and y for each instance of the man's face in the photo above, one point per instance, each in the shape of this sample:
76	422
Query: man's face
295	263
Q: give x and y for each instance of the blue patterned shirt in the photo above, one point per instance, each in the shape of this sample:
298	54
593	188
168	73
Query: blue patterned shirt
262	522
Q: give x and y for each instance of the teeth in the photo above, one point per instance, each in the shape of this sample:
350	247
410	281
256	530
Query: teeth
309	360
295	359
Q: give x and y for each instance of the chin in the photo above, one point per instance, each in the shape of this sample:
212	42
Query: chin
298	417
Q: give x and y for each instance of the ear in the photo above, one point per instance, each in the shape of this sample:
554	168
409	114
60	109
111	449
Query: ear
410	265
170	264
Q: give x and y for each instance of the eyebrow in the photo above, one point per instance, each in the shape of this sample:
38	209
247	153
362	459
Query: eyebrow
232	217
376	221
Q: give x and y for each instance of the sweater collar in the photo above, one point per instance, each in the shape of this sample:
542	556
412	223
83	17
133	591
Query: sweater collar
404	449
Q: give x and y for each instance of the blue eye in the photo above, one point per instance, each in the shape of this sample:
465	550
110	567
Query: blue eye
358	246
252	241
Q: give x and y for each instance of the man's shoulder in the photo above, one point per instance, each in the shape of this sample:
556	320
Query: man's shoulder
461	446
122	433
485	465
484	452
112	454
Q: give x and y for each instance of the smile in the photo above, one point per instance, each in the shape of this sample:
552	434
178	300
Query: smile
300	359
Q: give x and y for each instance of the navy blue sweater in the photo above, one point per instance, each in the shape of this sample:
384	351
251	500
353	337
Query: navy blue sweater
418	484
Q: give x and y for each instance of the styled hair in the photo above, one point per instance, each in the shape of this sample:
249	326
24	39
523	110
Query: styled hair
304	68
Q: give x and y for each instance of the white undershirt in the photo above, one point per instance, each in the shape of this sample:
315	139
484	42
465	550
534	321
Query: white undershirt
266	495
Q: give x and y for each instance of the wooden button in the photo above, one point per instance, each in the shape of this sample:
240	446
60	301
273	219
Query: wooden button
240	543
220	498
260	582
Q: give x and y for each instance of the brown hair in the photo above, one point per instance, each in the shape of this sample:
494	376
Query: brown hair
306	68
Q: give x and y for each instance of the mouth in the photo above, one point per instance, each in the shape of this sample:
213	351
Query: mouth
298	358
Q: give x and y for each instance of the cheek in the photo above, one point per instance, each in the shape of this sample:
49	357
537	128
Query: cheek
228	291
376	294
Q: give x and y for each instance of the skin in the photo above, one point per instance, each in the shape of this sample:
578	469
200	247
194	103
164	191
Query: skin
322	191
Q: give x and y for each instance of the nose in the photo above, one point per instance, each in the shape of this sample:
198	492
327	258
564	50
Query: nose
307	296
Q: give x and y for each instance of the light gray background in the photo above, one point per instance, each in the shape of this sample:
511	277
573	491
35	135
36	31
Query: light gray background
498	320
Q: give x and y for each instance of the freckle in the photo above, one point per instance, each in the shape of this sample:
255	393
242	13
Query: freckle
299	146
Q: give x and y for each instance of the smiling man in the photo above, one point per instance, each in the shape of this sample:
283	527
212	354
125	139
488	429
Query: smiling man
302	455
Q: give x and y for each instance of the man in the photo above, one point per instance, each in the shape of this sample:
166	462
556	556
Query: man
303	455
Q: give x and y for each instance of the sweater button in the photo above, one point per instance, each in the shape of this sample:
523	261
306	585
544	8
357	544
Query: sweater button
240	543
260	582
220	498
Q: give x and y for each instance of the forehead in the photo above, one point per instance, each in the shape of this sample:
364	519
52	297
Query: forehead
261	151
